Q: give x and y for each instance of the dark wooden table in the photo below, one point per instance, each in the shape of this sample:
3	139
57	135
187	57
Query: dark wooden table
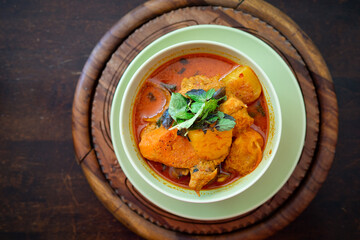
43	47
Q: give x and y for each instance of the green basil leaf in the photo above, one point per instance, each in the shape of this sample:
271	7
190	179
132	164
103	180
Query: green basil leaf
210	93
179	121
187	124
225	125
195	107
211	118
199	111
220	114
178	106
210	106
184	115
198	95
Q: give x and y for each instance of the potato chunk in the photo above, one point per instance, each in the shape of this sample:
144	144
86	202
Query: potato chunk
199	82
242	83
164	146
238	110
212	145
245	153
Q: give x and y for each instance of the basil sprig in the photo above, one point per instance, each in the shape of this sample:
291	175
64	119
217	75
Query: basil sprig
199	110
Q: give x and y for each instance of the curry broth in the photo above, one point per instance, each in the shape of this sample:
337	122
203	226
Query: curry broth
150	102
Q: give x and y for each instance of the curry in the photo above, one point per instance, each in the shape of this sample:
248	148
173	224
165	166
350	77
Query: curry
201	121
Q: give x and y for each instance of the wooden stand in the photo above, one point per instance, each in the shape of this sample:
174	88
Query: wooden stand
108	61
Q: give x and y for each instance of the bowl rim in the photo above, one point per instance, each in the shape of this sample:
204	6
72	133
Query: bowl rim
126	144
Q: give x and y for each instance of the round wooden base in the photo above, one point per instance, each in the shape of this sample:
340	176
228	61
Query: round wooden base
108	61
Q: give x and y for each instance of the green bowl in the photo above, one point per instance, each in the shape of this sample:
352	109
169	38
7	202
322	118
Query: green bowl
148	175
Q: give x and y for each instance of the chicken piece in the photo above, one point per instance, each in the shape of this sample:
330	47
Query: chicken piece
200	82
245	153
238	110
242	83
212	145
164	146
203	173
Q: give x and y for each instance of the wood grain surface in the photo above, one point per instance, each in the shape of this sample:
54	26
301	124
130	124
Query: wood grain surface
44	46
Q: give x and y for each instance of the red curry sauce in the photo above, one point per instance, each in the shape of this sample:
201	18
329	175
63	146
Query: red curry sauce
151	100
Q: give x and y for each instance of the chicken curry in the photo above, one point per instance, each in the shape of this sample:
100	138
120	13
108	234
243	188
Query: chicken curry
201	121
